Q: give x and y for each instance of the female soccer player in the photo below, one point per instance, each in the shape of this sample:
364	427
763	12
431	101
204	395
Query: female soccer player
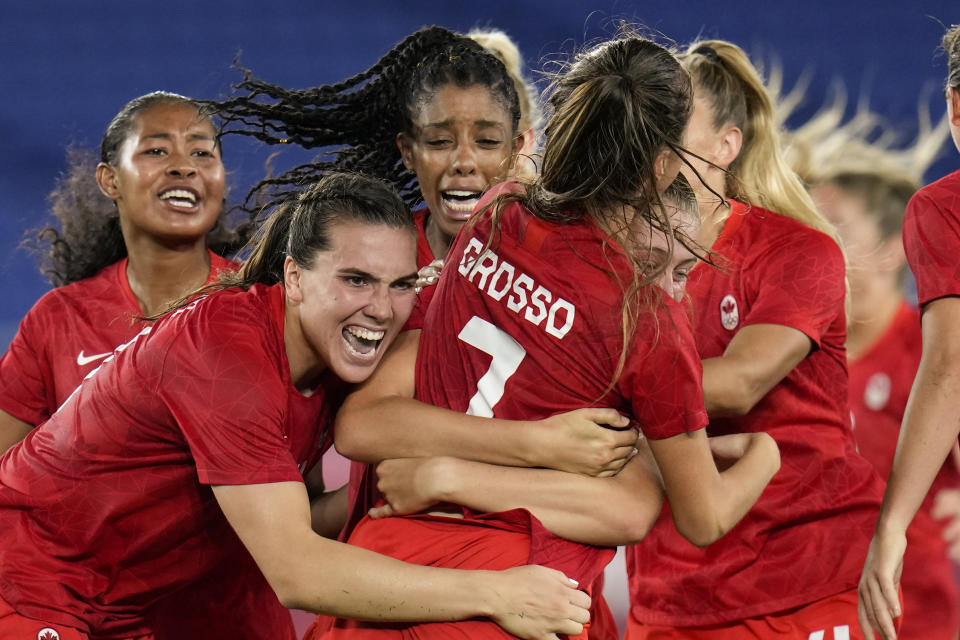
204	422
135	231
931	238
438	117
883	351
770	327
131	242
510	335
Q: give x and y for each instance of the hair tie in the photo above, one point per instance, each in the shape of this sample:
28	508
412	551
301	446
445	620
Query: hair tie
708	52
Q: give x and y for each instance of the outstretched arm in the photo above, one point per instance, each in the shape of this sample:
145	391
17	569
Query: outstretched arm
311	572
381	420
931	423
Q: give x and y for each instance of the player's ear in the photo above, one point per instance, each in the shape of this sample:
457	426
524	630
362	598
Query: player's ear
292	274
405	145
107	181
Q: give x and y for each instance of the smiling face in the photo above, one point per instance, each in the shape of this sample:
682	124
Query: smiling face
462	143
345	310
168	178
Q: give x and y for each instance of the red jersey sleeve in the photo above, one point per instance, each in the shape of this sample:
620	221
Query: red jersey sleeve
221	380
931	237
24	383
800	282
663	376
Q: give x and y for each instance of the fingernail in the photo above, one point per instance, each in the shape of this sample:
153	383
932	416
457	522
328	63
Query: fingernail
575	583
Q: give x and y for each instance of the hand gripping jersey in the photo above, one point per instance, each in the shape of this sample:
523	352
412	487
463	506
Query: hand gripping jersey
880	382
107	508
931	236
526	323
806	538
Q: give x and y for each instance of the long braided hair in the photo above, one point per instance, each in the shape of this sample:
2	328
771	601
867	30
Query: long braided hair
354	123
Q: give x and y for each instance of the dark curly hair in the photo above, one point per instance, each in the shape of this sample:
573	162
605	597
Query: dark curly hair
86	236
357	121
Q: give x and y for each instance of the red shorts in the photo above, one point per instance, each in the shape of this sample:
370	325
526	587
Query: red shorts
833	618
14	626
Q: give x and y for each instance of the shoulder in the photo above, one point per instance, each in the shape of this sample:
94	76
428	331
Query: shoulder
774	233
943	195
99	291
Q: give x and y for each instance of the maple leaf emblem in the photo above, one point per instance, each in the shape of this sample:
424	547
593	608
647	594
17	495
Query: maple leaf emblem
48	634
728	306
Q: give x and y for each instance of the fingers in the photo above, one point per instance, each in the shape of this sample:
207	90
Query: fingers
384	511
877	609
863	605
606	417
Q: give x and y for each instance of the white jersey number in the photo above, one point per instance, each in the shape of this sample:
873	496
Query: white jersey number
506	354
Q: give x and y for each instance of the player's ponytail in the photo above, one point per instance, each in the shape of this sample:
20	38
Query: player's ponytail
759	175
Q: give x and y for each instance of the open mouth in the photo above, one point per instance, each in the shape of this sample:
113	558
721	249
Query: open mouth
461	202
180	198
362	342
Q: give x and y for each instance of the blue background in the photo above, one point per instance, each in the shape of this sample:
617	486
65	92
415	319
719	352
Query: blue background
67	67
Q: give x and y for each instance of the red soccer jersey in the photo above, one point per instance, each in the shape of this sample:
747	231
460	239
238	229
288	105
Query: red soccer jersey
106	508
931	235
511	335
880	382
66	335
807	536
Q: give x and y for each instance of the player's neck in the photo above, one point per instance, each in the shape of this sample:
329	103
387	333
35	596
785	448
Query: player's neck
439	242
159	276
870	316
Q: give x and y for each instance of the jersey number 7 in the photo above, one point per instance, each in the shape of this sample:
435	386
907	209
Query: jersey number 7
506	355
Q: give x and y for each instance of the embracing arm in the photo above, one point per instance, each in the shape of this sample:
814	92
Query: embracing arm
12	430
606	511
705	502
758	357
381	420
931	423
311	572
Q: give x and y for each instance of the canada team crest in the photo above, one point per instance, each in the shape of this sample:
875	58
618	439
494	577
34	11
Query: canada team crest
877	392
729	313
47	634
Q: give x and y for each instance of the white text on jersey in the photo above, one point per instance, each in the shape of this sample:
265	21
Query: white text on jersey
497	277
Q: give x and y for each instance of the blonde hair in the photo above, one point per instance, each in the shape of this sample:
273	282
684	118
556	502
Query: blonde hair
760	175
864	156
499	44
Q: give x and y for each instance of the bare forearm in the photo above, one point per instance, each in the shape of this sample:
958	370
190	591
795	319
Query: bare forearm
602	511
705	503
351	582
740	486
395	427
930	427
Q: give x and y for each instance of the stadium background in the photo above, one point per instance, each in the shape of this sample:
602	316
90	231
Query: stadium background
67	67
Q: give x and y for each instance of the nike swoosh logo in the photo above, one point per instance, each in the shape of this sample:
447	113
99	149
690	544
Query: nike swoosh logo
85	360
